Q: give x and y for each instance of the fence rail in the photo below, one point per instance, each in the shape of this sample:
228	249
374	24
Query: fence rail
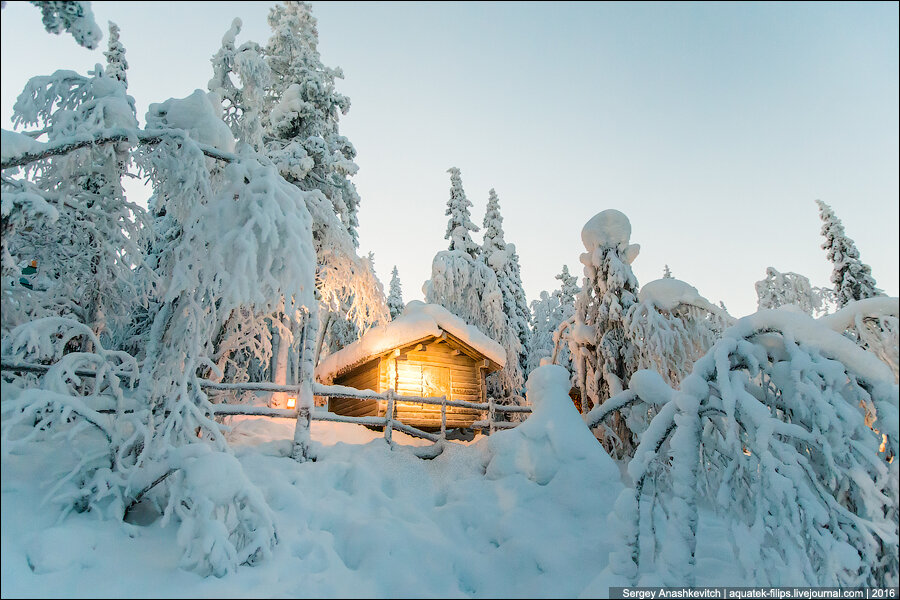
388	422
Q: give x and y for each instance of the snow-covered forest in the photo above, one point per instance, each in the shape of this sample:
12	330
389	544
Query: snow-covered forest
165	423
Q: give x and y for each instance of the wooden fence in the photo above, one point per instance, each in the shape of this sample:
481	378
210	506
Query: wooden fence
304	416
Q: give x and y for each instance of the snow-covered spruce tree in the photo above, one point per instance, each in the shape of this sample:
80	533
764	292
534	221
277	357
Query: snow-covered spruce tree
302	109
851	277
789	433
116	65
667	274
503	260
460	226
87	269
287	107
565	296
672	326
542	329
303	142
548	314
468	288
780	289
463	283
74	16
603	353
395	295
465	286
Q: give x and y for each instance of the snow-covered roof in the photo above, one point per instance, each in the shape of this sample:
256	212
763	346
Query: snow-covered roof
418	321
667	293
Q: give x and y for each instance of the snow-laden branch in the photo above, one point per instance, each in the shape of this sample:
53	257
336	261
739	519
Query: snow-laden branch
109	136
879	306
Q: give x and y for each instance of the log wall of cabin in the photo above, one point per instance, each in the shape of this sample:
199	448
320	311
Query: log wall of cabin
434	369
364	377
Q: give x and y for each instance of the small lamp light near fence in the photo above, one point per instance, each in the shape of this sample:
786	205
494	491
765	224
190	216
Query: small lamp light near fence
292	403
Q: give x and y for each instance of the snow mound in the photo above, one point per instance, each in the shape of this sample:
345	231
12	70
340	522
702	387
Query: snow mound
196	114
607	228
668	293
50	550
554	441
418	320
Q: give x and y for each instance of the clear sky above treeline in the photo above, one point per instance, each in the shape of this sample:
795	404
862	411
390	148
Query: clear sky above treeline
714	127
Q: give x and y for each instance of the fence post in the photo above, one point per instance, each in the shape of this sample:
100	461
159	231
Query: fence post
300	451
444	417
492	416
389	415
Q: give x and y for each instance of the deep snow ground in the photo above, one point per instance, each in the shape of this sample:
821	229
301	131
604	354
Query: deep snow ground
520	514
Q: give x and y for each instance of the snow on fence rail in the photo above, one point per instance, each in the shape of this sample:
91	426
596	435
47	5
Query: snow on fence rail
304	416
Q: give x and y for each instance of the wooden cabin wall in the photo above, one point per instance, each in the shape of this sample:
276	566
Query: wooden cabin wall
436	370
364	377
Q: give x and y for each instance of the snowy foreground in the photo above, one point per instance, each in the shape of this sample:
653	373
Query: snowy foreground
522	513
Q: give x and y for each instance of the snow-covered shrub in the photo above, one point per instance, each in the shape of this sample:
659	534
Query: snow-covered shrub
874	324
223	519
95	417
553	439
672	326
790	432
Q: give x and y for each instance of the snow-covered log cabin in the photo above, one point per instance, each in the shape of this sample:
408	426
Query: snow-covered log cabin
426	351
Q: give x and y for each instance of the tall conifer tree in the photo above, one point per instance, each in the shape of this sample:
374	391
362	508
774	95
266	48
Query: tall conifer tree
395	295
851	277
460	226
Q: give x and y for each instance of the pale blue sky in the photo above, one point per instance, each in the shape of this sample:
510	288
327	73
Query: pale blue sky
714	127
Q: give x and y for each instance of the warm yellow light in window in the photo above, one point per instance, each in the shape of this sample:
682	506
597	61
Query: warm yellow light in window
292	403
